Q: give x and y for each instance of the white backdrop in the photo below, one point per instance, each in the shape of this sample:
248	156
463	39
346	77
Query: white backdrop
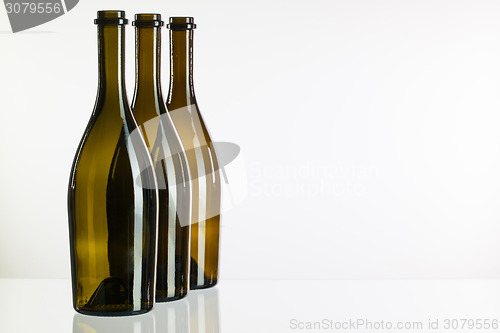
369	129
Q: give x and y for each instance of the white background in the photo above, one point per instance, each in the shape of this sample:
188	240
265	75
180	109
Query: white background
369	129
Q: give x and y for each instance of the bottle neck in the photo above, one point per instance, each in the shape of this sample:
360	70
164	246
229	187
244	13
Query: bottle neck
181	92
111	45
147	51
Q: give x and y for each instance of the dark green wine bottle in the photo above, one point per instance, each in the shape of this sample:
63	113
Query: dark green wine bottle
169	161
113	195
205	177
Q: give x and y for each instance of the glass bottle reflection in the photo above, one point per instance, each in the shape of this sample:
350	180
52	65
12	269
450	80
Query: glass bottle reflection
197	313
131	324
204	311
172	317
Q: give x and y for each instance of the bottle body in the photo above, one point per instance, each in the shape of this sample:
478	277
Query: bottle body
202	159
112	196
169	161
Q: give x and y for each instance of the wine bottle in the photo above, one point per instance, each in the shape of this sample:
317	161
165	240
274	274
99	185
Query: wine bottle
169	162
113	195
205	177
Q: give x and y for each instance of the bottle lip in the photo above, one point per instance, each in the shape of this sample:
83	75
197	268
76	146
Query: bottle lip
148	20
111	17
181	23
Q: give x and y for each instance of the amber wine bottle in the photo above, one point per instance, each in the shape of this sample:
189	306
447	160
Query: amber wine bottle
205	177
113	195
169	161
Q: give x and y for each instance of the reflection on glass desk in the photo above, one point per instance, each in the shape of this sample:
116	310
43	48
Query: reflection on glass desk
196	313
238	306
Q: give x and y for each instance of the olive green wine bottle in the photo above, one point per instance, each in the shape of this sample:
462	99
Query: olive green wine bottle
169	161
113	195
205	177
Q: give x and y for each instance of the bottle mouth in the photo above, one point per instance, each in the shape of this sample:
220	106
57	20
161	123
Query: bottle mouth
148	20
181	23
111	17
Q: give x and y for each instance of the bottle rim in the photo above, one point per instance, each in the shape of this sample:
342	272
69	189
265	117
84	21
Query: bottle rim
148	20
111	17
180	23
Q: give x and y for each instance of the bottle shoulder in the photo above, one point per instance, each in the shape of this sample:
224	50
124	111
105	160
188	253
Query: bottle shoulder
145	110
189	122
105	136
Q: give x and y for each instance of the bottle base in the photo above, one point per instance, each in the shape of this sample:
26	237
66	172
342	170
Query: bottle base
112	298
206	285
162	299
112	313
